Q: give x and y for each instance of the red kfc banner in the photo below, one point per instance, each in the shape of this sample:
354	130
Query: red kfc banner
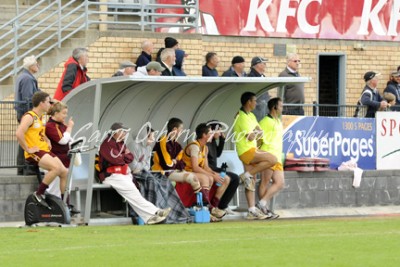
321	19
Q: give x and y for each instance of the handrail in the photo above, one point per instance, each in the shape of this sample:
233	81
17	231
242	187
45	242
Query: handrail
14	43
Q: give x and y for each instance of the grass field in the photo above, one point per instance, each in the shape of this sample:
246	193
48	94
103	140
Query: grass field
366	241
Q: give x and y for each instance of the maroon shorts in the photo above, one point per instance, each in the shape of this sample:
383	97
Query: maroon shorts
36	157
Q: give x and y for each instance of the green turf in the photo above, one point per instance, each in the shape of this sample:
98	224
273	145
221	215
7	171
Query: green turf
301	242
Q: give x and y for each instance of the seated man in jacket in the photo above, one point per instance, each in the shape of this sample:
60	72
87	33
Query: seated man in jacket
154	186
114	158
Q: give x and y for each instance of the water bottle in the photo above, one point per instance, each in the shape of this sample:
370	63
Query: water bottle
223	172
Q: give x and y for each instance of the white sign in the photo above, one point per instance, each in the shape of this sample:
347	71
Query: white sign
388	140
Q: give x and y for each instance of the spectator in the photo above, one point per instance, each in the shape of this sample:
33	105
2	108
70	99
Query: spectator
247	132
293	93
209	69
393	86
180	59
237	68
168	156
151	69
155	187
168	61
74	73
145	57
114	158
214	151
258	65
25	86
390	99
195	158
370	95
169	42
272	142
31	136
126	68
59	134
257	69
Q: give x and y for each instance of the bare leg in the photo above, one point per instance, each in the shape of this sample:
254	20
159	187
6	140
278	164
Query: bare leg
221	189
54	168
277	185
262	160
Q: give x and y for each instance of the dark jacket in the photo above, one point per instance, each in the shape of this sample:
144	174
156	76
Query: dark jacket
207	72
394	88
231	73
254	73
177	68
25	86
143	59
215	151
167	72
72	77
112	153
294	93
373	102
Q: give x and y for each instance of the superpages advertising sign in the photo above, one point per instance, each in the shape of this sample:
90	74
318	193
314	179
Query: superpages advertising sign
338	139
321	19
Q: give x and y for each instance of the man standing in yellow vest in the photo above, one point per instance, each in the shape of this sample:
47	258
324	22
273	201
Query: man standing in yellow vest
247	133
271	125
31	136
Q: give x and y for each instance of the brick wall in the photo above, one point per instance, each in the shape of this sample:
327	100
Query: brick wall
115	46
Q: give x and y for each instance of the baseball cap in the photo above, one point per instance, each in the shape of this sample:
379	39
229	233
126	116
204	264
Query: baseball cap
154	65
257	60
370	75
395	74
237	59
126	64
119	126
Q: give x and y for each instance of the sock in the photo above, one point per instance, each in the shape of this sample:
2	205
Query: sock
206	194
263	203
42	188
252	209
214	202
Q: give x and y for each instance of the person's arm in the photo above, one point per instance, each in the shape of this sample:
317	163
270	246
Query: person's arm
367	99
69	77
27	89
216	176
26	122
113	155
220	146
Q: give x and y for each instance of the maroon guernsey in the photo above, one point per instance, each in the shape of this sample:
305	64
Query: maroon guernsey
55	131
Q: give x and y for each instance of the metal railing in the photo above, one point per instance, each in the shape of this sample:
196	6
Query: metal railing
48	23
9	124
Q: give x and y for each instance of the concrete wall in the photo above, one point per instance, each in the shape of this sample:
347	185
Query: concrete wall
302	190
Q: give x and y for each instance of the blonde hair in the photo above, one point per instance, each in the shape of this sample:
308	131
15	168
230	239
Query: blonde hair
57	107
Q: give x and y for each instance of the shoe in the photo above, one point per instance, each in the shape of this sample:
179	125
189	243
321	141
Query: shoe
73	210
266	211
163	212
272	215
155	219
214	219
41	200
248	182
257	215
218	212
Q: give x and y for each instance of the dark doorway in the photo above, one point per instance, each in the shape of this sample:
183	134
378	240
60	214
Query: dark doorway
329	85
